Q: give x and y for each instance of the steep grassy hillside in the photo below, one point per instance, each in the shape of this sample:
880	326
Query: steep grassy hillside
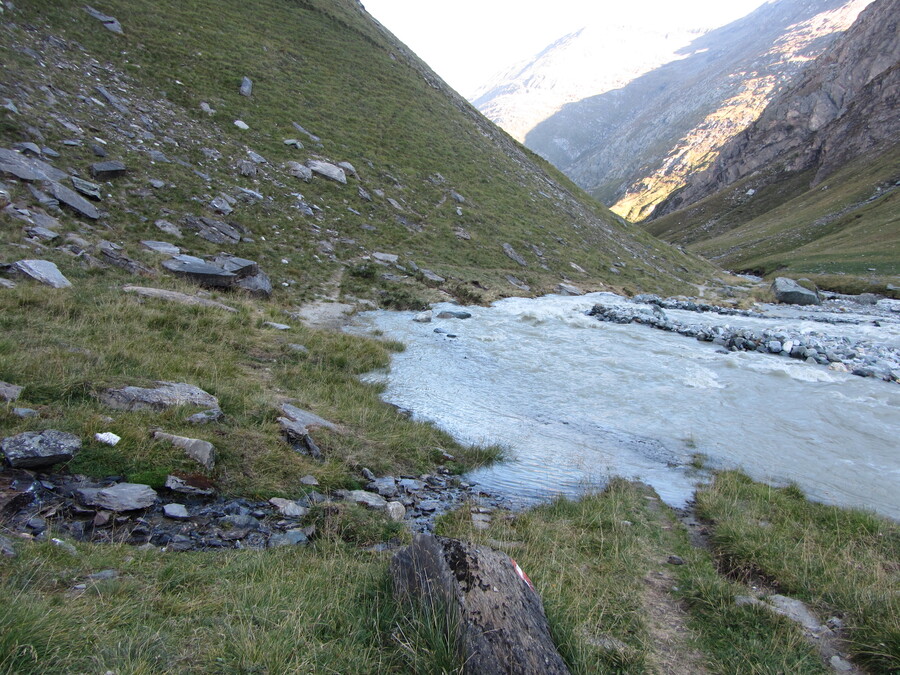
330	68
847	225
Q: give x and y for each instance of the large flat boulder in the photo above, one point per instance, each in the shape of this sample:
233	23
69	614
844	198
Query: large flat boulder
200	272
43	271
166	395
37	449
119	497
789	292
327	170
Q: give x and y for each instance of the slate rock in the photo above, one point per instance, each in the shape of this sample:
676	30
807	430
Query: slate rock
174	296
431	276
163	247
28	168
176	512
112	99
387	258
511	253
213	230
241	124
458	198
86	188
166	395
206	417
109	22
43	271
74	201
259	285
289	508
386	486
305	418
112	254
327	170
203	273
221	205
119	497
183	486
41	233
298	170
37	449
312	137
568	289
309	480
295	537
200	451
105	170
368	499
246	86
348	168
240	267
454	314
168	228
788	291
9	392
423	317
276	325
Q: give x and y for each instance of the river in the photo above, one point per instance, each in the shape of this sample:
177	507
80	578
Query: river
576	401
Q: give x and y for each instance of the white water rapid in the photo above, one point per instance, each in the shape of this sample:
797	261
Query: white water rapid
576	401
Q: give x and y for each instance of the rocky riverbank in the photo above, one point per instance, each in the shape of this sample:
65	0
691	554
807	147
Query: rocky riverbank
839	353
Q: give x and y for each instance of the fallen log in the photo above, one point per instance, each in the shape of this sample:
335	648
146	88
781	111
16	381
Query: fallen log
500	622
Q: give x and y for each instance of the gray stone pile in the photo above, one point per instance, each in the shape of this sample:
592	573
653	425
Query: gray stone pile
838	353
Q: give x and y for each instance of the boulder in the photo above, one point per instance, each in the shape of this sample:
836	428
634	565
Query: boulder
166	395
28	168
499	622
298	170
106	170
454	314
395	511
43	271
246	86
387	258
327	170
386	486
789	292
423	317
86	188
240	267
200	272
37	449
119	497
9	392
203	452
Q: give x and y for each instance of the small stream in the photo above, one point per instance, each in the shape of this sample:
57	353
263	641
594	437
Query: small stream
576	401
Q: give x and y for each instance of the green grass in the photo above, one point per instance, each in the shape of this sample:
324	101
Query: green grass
842	561
277	611
789	227
65	347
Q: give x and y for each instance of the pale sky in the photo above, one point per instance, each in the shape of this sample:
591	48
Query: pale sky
467	41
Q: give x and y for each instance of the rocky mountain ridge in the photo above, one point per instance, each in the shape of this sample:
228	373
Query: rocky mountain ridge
633	145
843	106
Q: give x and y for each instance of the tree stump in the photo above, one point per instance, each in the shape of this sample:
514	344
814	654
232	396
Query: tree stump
501	625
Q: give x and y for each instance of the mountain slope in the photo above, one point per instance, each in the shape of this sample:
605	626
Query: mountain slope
331	68
812	184
633	146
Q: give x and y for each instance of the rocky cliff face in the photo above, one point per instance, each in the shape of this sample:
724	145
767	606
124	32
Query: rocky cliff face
843	106
634	145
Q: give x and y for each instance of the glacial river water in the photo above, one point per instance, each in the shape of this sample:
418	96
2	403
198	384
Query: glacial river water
576	401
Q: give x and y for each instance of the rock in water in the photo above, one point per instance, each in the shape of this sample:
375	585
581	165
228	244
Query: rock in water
41	270
790	292
501	625
36	449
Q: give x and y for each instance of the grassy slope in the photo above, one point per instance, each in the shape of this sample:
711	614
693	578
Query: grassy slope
328	67
832	228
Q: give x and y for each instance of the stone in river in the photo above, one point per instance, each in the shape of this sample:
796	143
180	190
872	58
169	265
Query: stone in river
790	292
